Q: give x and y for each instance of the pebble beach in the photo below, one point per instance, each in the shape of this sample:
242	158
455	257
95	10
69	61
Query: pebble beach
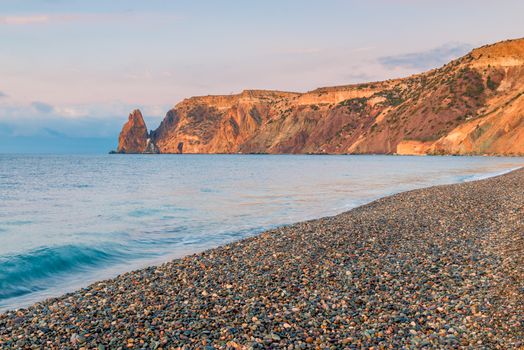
440	267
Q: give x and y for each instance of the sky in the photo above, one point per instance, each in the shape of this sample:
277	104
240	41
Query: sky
71	70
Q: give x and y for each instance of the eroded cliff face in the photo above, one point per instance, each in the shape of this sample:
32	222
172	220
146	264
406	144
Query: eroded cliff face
473	105
134	137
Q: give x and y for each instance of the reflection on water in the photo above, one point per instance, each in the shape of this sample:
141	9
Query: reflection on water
69	220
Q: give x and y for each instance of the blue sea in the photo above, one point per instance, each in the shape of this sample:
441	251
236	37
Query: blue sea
69	220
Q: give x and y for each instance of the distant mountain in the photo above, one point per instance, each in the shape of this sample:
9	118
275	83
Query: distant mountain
472	105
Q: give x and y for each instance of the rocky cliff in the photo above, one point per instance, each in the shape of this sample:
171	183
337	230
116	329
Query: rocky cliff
472	105
134	137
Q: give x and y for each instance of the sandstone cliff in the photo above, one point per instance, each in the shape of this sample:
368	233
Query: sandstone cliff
473	105
134	137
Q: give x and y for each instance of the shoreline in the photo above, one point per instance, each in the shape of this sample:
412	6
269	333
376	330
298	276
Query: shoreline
488	175
20	304
175	296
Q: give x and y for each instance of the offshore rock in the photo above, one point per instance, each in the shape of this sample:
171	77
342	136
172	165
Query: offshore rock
134	137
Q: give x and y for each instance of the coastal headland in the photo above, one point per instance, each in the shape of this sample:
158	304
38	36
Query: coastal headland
473	105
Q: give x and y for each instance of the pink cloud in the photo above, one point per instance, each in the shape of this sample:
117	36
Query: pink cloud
34	19
23	20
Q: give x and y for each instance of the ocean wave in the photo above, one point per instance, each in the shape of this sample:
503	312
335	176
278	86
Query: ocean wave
34	270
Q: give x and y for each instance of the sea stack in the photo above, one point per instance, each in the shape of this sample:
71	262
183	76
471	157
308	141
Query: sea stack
134	137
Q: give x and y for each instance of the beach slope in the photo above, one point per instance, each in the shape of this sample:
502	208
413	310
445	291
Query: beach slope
438	267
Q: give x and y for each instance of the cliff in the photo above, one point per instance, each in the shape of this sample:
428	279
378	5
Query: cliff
134	137
472	105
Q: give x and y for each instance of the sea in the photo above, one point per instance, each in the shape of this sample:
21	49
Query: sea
67	221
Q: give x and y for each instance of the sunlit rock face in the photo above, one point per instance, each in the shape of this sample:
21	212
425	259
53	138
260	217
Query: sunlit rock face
472	105
134	136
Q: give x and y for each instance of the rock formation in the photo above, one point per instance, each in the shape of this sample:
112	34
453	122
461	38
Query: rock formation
472	105
134	137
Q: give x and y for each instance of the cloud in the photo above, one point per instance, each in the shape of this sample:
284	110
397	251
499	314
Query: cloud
42	107
105	120
364	49
154	110
59	111
70	112
3	94
426	59
23	20
35	19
